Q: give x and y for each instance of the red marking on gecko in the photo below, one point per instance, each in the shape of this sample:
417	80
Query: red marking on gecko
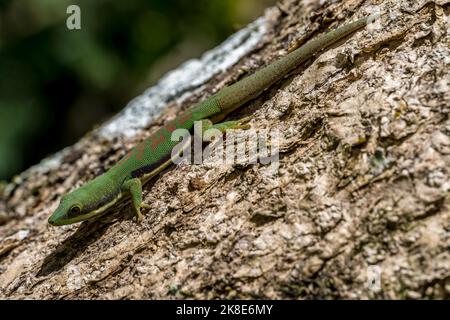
140	149
171	126
184	118
157	138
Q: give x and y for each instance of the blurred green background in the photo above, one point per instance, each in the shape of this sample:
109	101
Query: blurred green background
56	84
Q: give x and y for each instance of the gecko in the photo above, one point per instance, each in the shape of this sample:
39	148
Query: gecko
125	179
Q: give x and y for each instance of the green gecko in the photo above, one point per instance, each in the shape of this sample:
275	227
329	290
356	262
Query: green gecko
125	179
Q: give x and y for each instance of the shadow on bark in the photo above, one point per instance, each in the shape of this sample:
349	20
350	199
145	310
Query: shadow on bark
73	246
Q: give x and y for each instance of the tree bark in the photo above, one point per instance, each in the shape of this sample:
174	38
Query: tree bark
359	207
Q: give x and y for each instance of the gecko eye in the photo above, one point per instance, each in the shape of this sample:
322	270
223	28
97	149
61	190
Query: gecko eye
75	210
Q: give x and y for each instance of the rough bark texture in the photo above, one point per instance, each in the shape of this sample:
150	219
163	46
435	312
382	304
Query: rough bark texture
363	184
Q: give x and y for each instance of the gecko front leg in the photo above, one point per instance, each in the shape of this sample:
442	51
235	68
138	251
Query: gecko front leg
134	187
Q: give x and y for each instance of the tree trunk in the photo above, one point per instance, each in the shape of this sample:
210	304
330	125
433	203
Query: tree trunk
359	207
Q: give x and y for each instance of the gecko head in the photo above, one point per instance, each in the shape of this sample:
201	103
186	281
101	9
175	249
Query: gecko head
86	202
74	207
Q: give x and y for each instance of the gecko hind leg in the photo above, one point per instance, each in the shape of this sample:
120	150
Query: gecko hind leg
226	125
134	187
